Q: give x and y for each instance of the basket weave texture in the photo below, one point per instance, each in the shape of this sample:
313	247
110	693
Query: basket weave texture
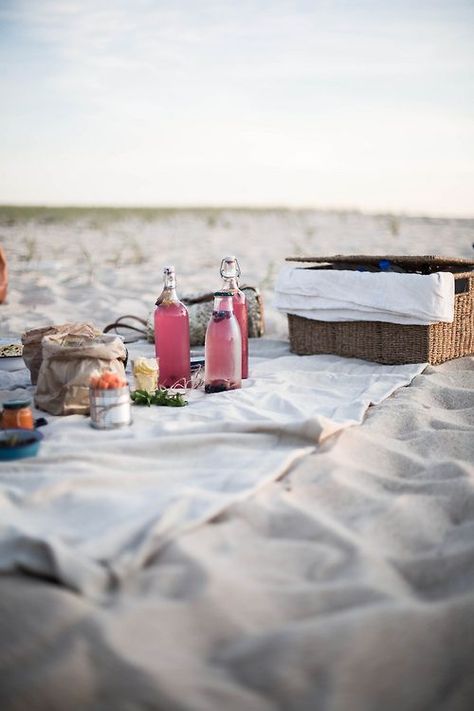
392	343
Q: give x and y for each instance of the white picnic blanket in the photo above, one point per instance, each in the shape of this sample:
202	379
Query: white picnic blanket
340	295
95	506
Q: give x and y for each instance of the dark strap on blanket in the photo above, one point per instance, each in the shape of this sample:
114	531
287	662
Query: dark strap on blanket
121	324
204	298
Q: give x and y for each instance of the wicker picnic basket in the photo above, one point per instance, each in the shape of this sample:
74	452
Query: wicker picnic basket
392	343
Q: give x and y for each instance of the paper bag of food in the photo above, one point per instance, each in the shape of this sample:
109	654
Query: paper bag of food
67	365
32	350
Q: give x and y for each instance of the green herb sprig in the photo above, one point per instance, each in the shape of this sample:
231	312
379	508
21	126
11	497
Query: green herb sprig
162	396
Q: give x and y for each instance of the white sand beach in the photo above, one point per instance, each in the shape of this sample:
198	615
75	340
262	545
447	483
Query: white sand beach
346	585
79	265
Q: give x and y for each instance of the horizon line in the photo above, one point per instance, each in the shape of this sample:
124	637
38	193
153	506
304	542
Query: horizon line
235	207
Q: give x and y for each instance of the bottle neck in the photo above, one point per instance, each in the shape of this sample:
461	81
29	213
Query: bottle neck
230	272
169	279
230	283
168	295
223	303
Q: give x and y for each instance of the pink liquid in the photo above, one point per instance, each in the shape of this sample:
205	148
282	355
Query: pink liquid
172	344
240	311
223	353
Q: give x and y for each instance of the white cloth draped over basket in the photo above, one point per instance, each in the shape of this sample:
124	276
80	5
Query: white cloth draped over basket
340	295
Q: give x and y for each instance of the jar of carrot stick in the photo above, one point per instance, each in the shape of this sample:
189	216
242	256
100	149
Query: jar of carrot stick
17	414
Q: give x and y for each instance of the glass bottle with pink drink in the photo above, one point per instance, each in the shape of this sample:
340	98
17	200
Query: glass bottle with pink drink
172	335
230	272
223	347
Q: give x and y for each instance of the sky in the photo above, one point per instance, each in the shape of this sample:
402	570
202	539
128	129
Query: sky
365	104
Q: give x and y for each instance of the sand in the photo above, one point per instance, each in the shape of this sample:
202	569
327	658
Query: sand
346	585
80	265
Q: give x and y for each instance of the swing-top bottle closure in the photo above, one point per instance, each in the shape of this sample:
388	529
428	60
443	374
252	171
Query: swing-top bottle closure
168	295
230	268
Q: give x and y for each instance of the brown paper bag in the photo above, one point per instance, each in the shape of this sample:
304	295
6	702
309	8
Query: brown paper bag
32	350
68	362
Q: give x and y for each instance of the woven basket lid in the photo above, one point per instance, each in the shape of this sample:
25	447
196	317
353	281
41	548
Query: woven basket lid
408	261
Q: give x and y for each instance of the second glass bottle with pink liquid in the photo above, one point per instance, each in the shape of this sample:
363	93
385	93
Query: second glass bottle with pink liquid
223	347
172	335
230	272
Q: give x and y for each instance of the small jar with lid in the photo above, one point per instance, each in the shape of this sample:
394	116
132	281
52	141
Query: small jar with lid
17	414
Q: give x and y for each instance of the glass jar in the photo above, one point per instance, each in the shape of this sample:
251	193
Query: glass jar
145	373
110	409
17	414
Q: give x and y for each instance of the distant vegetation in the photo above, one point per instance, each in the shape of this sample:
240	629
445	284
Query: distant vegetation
97	216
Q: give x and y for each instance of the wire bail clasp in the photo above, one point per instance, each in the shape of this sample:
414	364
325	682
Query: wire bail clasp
230	262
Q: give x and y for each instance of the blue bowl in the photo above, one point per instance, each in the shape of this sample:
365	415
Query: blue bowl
17	444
